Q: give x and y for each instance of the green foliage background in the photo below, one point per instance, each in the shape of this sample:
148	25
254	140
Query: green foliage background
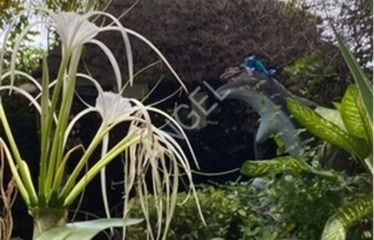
286	207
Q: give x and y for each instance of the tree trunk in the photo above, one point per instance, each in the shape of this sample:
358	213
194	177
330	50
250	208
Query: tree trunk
46	218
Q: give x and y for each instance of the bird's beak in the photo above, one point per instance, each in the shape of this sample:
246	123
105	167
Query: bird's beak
230	73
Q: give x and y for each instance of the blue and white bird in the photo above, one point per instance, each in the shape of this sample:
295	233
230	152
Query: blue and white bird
252	63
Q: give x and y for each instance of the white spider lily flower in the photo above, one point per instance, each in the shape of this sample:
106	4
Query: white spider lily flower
157	154
113	107
73	29
76	30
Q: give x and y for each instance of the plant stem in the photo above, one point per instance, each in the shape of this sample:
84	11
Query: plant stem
46	127
47	218
95	169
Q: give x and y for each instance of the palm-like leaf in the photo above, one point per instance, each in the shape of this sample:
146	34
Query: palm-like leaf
327	130
345	217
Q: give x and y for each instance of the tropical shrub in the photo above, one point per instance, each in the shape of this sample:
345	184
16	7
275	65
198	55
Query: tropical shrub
305	202
351	212
350	128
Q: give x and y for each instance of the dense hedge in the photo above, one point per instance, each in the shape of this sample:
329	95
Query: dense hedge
203	38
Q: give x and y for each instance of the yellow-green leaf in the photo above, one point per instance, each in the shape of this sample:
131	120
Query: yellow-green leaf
327	130
346	216
334	230
331	115
353	115
276	165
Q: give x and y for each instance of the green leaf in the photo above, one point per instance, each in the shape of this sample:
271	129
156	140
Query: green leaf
331	115
336	105
354	117
354	211
363	83
346	216
327	130
334	230
85	230
276	165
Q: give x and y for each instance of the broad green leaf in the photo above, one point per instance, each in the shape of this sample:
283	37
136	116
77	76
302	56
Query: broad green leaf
363	83
353	115
345	217
334	230
331	115
327	130
85	230
276	165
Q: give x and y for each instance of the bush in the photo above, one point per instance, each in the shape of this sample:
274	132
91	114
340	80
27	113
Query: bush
289	207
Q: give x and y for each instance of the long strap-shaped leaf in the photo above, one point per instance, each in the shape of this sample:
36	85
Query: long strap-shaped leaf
276	165
327	130
363	83
85	230
346	216
284	164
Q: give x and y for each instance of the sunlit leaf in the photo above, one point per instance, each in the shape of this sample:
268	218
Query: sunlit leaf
276	165
85	230
331	115
327	130
345	217
334	230
353	115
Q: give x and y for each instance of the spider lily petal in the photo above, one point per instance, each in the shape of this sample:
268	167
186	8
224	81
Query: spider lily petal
75	120
25	94
112	60
33	81
6	34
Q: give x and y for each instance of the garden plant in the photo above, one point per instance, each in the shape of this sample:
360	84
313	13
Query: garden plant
146	148
348	127
298	195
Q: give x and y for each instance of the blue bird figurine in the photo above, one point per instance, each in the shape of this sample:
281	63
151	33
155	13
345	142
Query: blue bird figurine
252	63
